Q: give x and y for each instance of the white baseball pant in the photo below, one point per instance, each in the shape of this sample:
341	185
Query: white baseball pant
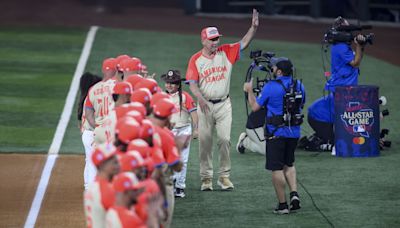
90	171
180	177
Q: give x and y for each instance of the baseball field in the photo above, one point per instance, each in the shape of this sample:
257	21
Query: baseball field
37	66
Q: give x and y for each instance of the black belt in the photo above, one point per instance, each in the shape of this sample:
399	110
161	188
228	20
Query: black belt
215	101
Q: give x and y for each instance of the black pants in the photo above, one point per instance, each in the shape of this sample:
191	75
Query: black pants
322	129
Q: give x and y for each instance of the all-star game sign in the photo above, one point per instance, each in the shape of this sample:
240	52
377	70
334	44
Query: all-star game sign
357	121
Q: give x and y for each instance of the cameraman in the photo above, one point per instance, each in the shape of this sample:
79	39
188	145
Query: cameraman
281	133
345	62
344	72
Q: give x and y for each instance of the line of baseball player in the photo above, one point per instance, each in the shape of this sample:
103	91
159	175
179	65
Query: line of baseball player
137	141
137	137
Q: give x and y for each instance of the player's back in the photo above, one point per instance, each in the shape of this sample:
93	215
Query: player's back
100	99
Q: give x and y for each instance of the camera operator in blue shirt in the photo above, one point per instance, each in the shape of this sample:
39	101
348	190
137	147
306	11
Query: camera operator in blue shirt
344	72
282	128
345	62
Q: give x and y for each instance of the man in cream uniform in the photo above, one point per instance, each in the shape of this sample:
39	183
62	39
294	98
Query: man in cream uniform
209	73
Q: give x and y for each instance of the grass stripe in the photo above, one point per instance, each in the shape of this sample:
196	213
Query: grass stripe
35	67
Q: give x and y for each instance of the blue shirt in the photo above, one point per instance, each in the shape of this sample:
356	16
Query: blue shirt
271	97
323	109
343	74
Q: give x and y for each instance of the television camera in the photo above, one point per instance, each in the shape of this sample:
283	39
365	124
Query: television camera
345	34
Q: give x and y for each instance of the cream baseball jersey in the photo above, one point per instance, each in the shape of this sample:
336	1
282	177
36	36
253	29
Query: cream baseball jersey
99	197
85	124
99	99
213	74
105	133
121	217
182	117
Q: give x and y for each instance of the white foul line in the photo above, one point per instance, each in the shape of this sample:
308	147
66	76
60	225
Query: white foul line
60	131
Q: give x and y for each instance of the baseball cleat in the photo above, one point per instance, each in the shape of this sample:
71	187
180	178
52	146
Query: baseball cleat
225	183
206	185
179	193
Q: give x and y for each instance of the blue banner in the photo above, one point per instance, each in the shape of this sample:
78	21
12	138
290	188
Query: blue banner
357	121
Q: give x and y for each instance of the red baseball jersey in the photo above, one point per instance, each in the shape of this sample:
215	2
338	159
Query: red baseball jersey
151	189
165	138
213	74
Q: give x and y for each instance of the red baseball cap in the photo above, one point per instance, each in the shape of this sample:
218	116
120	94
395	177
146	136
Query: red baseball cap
140	146
141	95
102	153
126	181
109	64
119	59
130	161
127	129
164	108
158	96
209	33
121	110
133	79
148	83
122	88
131	64
151	186
137	106
135	115
147	129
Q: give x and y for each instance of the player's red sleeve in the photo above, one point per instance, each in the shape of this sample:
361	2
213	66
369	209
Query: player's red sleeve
107	194
170	151
157	157
232	51
88	103
189	102
192	73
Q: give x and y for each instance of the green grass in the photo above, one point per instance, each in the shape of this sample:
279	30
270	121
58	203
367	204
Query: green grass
36	67
351	192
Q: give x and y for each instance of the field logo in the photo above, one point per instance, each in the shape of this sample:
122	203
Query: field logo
358	120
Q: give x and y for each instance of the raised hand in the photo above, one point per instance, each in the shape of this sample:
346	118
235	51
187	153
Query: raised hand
254	22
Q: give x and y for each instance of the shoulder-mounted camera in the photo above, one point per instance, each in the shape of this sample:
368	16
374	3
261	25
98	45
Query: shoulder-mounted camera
262	61
345	34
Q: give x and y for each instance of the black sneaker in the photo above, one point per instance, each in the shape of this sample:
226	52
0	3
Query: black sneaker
281	209
239	146
179	192
294	201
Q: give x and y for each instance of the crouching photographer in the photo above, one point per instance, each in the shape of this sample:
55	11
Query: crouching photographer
253	138
345	64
